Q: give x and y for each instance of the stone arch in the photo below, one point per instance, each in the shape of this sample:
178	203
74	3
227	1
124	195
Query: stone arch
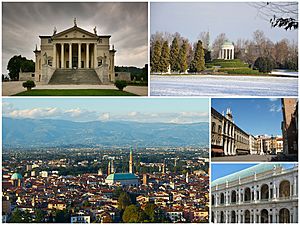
264	192
284	189
247	194
233	217
222	217
233	196
247	216
284	215
264	216
222	198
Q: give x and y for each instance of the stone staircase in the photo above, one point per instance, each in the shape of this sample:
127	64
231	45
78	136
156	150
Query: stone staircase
74	76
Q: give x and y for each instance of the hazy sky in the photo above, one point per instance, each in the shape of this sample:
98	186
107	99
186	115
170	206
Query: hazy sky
222	169
174	110
236	20
127	23
255	116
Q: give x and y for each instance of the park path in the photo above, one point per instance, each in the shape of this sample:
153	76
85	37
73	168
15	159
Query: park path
14	87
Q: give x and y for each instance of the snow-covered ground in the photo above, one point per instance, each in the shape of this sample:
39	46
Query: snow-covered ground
213	85
285	73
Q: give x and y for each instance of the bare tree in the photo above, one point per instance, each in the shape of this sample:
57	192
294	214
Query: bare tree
204	37
279	14
216	46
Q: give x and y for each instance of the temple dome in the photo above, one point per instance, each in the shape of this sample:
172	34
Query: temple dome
16	176
227	44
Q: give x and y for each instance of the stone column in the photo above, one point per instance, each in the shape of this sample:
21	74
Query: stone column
295	215
95	56
62	56
238	215
225	146
79	55
274	215
295	186
254	216
70	55
54	56
274	190
87	56
255	193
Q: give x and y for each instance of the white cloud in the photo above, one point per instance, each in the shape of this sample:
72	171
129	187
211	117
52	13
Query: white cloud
275	108
104	116
273	99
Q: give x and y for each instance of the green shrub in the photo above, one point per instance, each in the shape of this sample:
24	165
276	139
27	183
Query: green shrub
264	64
227	63
239	71
29	84
120	84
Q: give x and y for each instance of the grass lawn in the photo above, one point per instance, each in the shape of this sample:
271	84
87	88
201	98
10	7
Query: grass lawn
74	92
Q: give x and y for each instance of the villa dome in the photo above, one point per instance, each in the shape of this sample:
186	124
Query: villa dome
227	44
16	176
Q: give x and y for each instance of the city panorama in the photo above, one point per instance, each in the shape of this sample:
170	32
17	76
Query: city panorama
147	162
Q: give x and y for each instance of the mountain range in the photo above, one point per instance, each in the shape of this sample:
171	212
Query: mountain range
23	133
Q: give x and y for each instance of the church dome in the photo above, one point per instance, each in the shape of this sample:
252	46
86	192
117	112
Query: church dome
16	176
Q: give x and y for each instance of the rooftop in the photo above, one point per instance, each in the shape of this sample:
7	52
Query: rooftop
121	176
260	168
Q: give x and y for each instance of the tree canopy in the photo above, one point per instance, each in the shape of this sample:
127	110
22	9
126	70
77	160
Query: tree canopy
18	63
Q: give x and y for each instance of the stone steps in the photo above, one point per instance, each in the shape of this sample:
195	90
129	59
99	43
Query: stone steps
74	76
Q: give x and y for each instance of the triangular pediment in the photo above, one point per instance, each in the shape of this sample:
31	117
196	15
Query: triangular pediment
74	32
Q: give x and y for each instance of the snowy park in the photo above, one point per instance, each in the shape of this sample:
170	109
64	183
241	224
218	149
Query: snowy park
215	85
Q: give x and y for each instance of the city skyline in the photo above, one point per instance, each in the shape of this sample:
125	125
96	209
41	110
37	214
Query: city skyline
180	17
256	116
129	109
127	23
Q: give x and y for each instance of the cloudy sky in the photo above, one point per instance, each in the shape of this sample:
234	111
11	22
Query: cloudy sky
127	23
167	110
235	19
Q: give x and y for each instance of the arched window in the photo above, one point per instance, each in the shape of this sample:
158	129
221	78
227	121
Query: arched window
213	200
222	219
233	197
233	216
284	189
247	216
284	216
222	199
247	196
213	126
264	190
264	216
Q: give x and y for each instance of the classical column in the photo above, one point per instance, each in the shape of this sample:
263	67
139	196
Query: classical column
95	56
274	190
62	56
54	56
295	186
87	56
79	55
70	55
295	214
225	146
274	215
223	53
254	216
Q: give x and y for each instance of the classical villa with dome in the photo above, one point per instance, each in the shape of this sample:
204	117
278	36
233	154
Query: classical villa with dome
264	193
227	51
75	56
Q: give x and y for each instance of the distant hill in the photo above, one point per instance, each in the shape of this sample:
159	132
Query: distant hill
52	133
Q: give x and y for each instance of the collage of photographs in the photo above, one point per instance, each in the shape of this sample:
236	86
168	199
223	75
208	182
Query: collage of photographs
150	112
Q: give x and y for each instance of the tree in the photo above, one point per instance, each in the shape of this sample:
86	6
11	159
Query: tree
279	14
39	216
62	216
16	216
204	37
131	214
281	52
123	201
216	46
28	84
150	212
174	53
183	57
155	57
263	64
165	57
198	63
120	84
17	63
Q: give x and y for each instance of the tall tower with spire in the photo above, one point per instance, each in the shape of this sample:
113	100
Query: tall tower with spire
130	162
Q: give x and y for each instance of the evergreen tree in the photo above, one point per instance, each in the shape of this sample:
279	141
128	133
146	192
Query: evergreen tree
198	63
155	57
131	214
183	57
123	201
174	53
165	57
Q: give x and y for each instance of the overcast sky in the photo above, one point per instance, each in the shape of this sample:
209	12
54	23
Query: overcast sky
127	23
235	19
167	110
